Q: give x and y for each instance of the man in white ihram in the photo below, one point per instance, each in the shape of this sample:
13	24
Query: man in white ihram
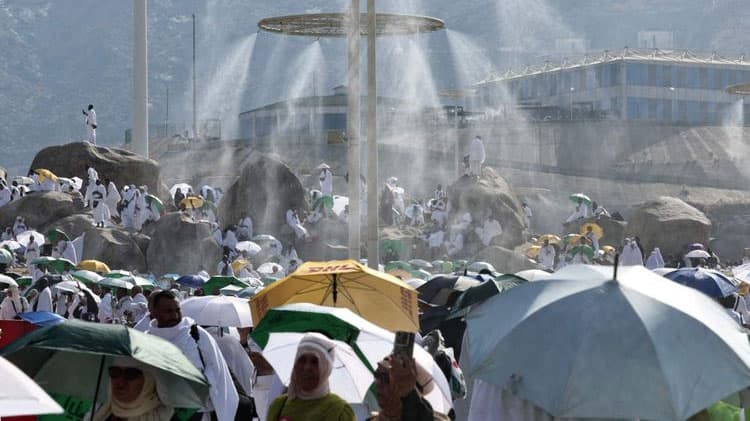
476	157
90	124
201	349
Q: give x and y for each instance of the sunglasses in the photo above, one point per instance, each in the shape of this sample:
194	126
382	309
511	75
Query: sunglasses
125	373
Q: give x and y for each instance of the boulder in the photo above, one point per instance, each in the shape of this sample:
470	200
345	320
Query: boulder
115	247
266	188
614	231
121	166
670	224
73	225
41	209
730	228
492	192
180	245
504	260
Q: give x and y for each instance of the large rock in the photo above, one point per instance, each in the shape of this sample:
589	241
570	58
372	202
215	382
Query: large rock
504	260
730	227
180	245
41	209
116	247
266	188
492	192
670	224
121	166
73	225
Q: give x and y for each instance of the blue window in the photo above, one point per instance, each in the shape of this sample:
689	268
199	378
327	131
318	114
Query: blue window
334	121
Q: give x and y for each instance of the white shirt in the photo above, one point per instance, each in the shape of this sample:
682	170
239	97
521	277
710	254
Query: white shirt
547	257
5	196
44	300
91	118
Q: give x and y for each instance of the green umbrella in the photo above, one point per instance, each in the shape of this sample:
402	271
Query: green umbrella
156	203
118	274
24	281
218	282
326	201
6	257
143	282
58	265
87	277
397	264
420	274
396	245
585	249
124	283
72	358
575	197
54	235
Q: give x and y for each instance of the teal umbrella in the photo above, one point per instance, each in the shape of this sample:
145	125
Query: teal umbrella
87	277
123	283
397	264
482	292
58	265
216	283
6	257
420	274
575	197
586	345
72	358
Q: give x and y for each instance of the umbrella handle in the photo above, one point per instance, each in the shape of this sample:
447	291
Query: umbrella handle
98	384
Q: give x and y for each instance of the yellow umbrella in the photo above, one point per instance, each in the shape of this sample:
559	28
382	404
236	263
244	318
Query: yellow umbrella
552	238
376	296
595	228
238	264
608	249
192	202
400	274
533	252
94	266
45	173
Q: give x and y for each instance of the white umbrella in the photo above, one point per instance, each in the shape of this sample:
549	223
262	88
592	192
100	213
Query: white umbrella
75	287
339	204
662	271
532	275
218	310
248	247
19	395
271	269
7	280
24	237
582	344
184	188
698	254
22	180
11	245
350	379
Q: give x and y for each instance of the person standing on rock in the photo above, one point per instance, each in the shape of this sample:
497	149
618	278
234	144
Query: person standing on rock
547	256
129	213
100	210
113	197
32	251
92	174
326	180
476	157
90	124
292	219
5	195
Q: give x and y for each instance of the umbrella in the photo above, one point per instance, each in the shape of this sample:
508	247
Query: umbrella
369	341
142	282
420	274
192	202
45	173
42	318
480	266
238	264
710	282
123	283
218	282
595	228
229	290
156	203
571	238
21	395
350	378
11	245
218	311
533	252
271	269
698	254
249	292
56	264
7	281
662	271
376	296
118	273
76	287
552	238
23	180
478	294
397	264
609	348
184	188
191	281
420	264
439	289
72	358
25	236
264	237
608	249
6	257
339	204
696	246
94	266
54	235
400	274
248	247
323	166
576	197
24	281
532	275
586	250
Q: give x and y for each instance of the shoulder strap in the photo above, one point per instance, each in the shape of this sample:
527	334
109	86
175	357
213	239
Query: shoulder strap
196	337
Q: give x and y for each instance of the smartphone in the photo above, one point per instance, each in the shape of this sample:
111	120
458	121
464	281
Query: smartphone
404	344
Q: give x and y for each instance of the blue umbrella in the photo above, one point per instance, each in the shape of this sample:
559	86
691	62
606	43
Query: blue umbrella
193	281
42	318
710	282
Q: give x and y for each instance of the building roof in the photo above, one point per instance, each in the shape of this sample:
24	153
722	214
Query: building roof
336	100
627	54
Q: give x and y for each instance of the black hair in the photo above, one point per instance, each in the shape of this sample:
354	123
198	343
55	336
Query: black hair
91	106
166	295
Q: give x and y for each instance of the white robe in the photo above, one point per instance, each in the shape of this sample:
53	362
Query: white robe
655	260
48	185
222	266
44	300
101	213
436	239
631	255
237	360
326	182
105	309
295	224
455	245
113	198
32	252
230	240
5	196
129	214
12	306
90	126
19	228
92	174
218	237
547	257
581	211
594	241
476	151
490	230
223	395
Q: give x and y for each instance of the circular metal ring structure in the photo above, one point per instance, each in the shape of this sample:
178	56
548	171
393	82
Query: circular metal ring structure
741	89
335	25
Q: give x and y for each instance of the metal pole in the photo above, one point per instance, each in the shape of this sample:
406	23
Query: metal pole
373	248
352	130
166	119
140	78
195	106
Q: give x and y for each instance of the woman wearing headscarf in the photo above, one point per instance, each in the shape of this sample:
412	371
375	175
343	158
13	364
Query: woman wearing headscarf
133	396
309	397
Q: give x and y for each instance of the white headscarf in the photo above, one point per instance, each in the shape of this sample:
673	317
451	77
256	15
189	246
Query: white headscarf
146	407
324	349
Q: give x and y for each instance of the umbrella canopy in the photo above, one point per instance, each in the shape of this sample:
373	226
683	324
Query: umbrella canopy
58	265
325	201
7	281
23	180
249	292
76	287
264	237
118	273
571	238
350	378
376	296
576	197
400	274
610	349
54	235
238	264
608	249
24	281
94	266
552	238
42	318
397	264
21	395
339	204
480	293
480	266
124	283
191	281
11	245
595	228
248	247
142	282
217	310
184	188
25	236
710	282
216	283
155	203
532	275
192	202
271	269
533	252
70	358
585	250
419	274
6	257
44	173
698	254
439	289
696	246
420	264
